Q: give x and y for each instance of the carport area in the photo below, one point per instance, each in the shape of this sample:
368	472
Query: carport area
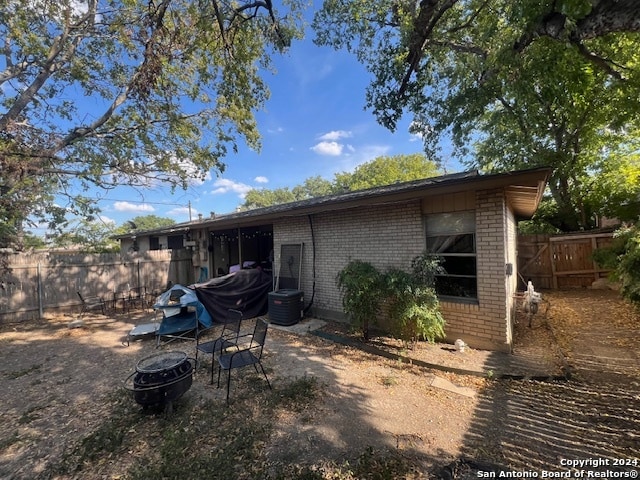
235	248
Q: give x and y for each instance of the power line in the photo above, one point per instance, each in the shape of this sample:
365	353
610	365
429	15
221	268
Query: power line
140	201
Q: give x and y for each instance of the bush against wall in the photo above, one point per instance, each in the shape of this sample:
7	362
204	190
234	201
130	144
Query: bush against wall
360	284
624	257
411	300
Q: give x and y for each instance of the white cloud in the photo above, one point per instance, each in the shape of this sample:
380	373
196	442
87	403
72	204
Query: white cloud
183	211
132	207
335	135
363	154
333	149
193	172
224	185
106	220
261	179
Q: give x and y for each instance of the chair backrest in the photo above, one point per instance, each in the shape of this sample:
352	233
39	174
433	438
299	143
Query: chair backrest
259	333
232	323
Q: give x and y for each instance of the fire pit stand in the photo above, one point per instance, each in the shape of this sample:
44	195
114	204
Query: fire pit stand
161	379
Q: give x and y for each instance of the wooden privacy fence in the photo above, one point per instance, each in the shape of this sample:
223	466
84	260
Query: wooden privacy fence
46	282
561	261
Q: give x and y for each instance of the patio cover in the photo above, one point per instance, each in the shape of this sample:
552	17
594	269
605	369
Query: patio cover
244	290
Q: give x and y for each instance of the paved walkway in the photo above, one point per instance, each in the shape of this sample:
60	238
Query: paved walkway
601	350
606	353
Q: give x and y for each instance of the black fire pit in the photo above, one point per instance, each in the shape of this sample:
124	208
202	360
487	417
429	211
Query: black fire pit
161	379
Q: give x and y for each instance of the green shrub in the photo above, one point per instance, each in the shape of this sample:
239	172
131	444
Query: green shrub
628	271
412	302
624	257
360	284
414	309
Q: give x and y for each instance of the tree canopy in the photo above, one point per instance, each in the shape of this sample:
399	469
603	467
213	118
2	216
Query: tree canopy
132	92
518	84
144	222
96	235
381	171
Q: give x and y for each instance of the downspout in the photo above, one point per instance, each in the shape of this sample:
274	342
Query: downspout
313	269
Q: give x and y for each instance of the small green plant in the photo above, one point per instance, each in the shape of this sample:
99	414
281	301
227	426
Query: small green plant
360	284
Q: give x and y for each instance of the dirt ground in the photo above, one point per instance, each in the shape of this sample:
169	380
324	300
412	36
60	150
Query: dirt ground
436	405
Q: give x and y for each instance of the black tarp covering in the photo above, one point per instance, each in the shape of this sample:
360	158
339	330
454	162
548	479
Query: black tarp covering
245	290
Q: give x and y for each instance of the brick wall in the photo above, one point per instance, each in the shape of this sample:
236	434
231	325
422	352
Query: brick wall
392	235
485	324
384	235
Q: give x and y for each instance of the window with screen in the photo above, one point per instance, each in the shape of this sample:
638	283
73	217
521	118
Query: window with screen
452	237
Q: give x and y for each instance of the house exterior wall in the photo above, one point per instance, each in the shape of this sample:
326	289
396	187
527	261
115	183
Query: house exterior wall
392	235
512	278
384	235
485	324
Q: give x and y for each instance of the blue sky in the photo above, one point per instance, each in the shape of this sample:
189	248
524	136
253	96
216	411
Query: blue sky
313	124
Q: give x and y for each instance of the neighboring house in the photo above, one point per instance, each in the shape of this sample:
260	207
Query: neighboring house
467	218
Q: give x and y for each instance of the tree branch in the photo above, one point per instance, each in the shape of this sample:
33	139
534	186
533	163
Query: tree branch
428	16
56	59
607	16
602	63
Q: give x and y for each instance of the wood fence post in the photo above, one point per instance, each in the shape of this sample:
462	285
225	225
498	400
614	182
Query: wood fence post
39	288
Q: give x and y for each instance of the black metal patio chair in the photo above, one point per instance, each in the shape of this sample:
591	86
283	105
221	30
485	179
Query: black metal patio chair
229	338
92	302
243	357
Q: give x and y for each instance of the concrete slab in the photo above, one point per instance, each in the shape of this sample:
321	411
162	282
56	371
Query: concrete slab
444	384
303	327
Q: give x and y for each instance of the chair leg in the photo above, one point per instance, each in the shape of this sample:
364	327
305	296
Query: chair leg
228	385
213	364
265	375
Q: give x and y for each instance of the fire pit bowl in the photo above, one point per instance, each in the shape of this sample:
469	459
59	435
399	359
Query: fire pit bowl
160	379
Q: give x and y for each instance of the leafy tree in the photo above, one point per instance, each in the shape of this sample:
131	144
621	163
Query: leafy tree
378	172
623	256
33	241
543	220
313	187
126	92
90	235
263	197
144	222
385	171
617	185
524	83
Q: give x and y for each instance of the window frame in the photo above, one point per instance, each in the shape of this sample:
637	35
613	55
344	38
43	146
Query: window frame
444	232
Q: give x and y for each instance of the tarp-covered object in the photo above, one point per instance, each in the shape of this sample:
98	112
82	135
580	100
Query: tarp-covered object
182	313
245	290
